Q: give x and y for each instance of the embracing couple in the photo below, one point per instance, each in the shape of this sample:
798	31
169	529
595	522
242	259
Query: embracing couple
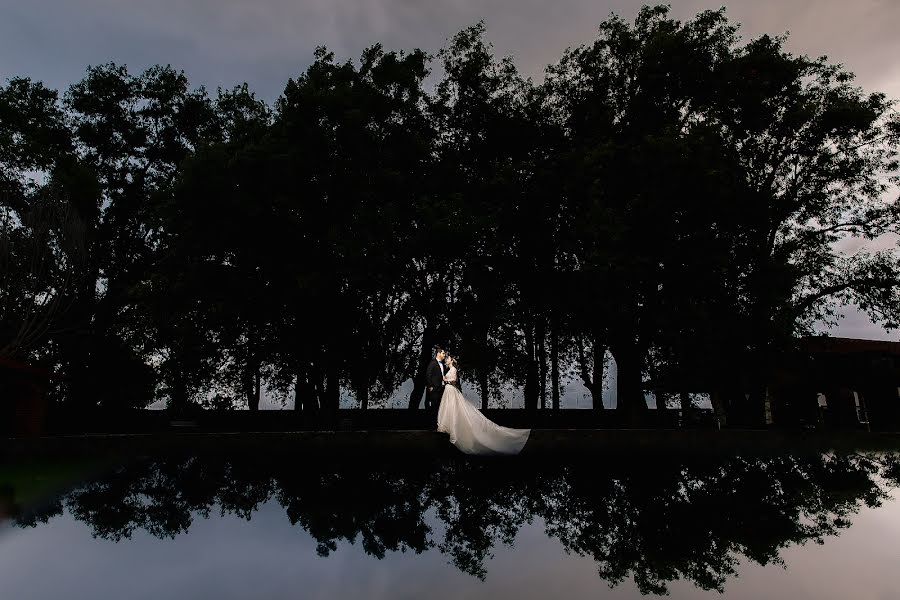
441	371
469	430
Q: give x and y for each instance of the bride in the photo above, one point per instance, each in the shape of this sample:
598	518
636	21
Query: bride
469	430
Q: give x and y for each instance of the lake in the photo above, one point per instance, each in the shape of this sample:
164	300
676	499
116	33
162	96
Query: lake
275	525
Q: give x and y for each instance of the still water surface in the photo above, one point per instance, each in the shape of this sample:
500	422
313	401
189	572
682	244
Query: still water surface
208	526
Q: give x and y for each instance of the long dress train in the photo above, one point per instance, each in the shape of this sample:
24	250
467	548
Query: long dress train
470	430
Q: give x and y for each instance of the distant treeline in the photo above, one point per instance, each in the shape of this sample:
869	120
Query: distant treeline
669	194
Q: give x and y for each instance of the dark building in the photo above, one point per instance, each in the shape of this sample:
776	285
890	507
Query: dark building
838	383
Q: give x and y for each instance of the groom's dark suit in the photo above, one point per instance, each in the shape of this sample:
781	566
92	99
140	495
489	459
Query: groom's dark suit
434	379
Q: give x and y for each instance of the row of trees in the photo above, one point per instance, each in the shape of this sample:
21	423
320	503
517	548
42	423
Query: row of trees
667	194
655	522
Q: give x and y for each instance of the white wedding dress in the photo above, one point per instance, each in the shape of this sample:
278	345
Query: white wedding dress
471	431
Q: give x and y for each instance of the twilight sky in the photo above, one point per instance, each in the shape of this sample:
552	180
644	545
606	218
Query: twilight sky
264	42
225	42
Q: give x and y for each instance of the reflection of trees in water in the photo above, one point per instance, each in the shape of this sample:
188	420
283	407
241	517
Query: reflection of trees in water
656	521
480	504
689	522
385	507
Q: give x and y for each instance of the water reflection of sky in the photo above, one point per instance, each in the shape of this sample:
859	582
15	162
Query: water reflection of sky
228	557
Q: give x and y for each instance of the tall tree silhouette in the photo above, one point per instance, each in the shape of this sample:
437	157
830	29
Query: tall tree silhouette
668	194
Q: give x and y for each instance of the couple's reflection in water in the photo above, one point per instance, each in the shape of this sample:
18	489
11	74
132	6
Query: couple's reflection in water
653	519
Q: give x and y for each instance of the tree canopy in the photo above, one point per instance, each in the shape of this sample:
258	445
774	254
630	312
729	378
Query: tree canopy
669	194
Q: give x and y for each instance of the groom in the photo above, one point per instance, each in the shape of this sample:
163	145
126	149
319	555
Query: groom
434	380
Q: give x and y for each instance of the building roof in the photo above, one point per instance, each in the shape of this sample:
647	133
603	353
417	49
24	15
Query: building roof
9	364
838	345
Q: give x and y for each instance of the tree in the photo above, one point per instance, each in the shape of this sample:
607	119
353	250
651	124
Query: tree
817	156
628	103
41	233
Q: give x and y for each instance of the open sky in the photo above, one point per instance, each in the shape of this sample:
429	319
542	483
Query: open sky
264	42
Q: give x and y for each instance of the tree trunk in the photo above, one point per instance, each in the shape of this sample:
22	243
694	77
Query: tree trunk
257	392
554	365
687	408
630	402
178	397
542	361
754	409
251	371
750	408
318	386
329	380
362	394
252	387
662	401
748	405
718	405
298	390
484	372
332	390
599	352
304	392
593	379
75	350
531	375
419	384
